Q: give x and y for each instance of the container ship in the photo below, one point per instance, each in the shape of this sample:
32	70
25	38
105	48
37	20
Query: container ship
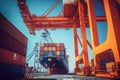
13	46
53	57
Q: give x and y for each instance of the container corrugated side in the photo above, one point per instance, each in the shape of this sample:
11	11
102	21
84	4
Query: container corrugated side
9	57
8	42
10	29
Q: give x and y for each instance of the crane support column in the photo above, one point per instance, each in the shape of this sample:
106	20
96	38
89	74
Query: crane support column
113	20
84	40
112	41
93	27
75	45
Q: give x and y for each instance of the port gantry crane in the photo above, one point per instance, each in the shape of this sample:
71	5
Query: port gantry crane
35	54
81	14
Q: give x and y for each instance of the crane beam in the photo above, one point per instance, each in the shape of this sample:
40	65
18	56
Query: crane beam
56	25
53	19
62	19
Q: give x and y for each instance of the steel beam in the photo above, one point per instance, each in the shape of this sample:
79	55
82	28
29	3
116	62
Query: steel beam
63	19
52	19
93	26
113	21
75	42
83	34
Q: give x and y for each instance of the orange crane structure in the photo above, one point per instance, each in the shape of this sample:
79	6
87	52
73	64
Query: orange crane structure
81	14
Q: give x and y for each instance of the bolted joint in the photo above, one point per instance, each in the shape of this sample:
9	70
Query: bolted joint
77	70
87	70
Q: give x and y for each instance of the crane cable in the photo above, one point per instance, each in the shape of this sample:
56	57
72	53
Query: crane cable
51	8
30	56
32	53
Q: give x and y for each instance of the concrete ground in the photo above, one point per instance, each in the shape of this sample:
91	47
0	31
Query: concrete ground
38	76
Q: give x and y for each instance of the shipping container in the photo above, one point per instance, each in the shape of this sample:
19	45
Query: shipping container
62	48
41	48
41	53
49	48
45	48
13	46
8	42
58	53
42	45
53	48
58	48
7	27
54	55
9	57
11	38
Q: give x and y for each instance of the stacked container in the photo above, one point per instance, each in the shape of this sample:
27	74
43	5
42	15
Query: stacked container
13	46
53	57
52	49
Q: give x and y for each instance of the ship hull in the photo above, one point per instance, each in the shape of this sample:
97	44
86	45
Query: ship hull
55	65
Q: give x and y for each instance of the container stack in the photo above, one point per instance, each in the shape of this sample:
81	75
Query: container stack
53	57
13	46
53	49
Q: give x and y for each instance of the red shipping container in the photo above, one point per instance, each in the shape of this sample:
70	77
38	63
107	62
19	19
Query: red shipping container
61	44
51	44
41	53
9	28
46	45
41	48
62	48
42	45
58	44
9	57
19	59
54	44
12	44
58	48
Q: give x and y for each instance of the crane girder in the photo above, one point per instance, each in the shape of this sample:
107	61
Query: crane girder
31	20
63	19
